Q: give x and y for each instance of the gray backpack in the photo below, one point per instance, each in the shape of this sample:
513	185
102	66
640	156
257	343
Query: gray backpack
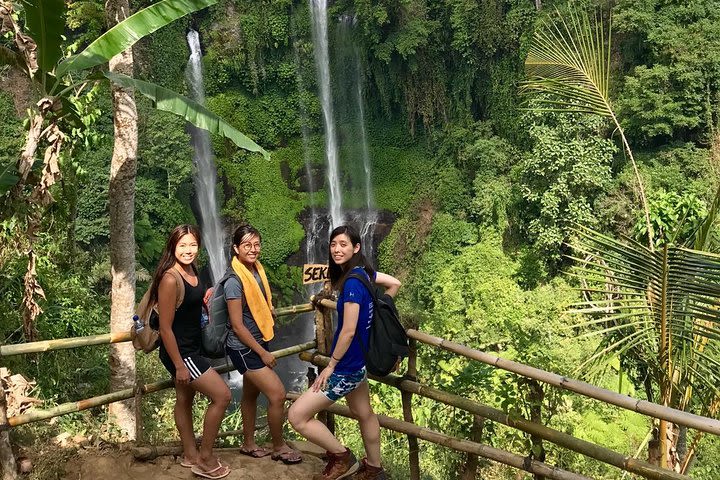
215	333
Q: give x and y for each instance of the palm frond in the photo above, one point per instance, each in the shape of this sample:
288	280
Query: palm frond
660	308
569	59
45	23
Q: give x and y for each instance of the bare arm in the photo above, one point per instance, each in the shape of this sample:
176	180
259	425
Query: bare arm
235	312
390	283
167	291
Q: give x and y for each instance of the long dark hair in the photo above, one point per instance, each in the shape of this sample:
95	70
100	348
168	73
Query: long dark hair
167	259
337	273
243	232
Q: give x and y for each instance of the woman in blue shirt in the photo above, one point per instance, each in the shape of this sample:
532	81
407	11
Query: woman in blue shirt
345	375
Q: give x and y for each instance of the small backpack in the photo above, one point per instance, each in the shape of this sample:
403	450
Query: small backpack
215	333
388	342
149	337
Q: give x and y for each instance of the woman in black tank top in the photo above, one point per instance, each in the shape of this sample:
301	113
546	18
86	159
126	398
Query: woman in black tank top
180	350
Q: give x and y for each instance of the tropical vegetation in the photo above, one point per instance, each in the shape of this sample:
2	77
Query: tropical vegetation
547	174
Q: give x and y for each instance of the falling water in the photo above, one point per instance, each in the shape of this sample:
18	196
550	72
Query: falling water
205	174
322	61
368	228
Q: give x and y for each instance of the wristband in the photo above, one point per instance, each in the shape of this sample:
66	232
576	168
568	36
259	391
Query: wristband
337	360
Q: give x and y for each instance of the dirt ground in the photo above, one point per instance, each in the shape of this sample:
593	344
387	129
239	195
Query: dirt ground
93	464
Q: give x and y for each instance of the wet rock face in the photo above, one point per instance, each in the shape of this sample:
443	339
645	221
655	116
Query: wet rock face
317	230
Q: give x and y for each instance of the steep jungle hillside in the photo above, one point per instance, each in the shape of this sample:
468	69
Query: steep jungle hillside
480	192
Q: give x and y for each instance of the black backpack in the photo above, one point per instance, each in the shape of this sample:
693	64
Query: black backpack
388	342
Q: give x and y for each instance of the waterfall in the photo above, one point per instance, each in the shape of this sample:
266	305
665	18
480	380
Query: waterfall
371	218
205	174
322	61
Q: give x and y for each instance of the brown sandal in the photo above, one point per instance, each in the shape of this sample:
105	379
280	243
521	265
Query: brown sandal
288	457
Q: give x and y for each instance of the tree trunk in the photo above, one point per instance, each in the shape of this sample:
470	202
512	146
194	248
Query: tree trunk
535	399
469	469
122	229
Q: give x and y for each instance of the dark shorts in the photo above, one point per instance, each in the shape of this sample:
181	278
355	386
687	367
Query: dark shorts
245	359
196	365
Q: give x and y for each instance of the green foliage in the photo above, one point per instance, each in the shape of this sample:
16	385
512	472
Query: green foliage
671	55
272	118
163	55
260	195
11	133
675	217
126	33
566	170
661	102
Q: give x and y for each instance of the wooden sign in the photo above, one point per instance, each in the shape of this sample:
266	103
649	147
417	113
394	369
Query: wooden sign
314	273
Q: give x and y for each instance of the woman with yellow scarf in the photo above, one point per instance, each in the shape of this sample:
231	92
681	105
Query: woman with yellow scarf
252	319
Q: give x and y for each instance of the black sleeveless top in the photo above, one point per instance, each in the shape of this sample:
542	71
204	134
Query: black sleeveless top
186	324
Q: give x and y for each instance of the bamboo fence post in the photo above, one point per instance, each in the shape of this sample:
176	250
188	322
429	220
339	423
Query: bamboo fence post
605	455
7	458
323	336
501	456
413	449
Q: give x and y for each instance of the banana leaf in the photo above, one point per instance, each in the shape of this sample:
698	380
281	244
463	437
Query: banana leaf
126	33
45	23
169	101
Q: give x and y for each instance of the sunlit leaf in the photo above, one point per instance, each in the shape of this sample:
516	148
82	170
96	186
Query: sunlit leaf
190	110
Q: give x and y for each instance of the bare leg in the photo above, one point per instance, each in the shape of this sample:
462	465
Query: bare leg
248	411
211	385
184	396
302	417
266	381
359	402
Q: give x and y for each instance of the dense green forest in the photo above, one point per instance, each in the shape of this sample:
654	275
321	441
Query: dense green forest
485	190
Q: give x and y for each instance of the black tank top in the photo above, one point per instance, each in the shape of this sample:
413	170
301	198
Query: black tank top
186	324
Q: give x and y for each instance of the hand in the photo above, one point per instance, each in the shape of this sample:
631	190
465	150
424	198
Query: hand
182	375
268	359
207	296
321	380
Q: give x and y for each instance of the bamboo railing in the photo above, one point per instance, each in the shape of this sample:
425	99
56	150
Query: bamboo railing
408	386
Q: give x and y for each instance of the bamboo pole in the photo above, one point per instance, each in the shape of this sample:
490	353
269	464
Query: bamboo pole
63	343
323	338
583	447
294	309
413	448
71	407
107	338
644	407
501	456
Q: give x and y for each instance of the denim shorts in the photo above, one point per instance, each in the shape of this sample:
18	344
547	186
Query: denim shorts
245	359
340	384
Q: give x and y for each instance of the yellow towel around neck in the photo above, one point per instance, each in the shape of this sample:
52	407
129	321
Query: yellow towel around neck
260	306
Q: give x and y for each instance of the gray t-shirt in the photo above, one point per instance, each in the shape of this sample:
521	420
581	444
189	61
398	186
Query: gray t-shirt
234	290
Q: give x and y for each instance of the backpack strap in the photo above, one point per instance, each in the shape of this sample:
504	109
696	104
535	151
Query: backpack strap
366	283
179	286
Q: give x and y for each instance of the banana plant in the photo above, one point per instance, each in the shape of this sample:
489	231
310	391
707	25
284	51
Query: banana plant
568	67
38	53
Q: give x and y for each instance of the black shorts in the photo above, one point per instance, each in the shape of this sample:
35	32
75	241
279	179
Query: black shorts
245	359
196	365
